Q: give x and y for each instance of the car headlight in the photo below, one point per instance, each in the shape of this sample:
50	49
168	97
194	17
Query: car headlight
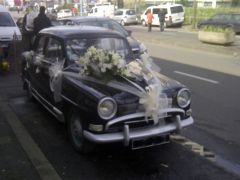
107	108
183	97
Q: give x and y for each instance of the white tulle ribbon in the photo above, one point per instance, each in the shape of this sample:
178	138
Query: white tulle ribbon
55	81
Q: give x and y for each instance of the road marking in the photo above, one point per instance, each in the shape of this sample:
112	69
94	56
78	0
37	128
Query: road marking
197	77
38	159
195	147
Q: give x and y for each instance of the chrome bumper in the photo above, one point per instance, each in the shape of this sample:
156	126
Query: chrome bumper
128	134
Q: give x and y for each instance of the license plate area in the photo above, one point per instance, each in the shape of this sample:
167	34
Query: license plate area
149	142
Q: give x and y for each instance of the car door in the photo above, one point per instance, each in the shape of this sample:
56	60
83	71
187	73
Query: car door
118	15
51	66
155	12
35	65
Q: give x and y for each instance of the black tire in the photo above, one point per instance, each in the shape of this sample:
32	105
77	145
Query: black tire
75	134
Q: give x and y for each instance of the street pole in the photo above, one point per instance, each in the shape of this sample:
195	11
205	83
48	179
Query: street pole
194	25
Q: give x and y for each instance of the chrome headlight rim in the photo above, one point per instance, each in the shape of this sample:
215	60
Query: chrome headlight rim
188	101
114	111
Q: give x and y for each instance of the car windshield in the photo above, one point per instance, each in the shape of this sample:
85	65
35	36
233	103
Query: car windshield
77	47
6	19
176	9
109	24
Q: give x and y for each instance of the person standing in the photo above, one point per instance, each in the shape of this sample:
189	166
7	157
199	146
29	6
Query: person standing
161	17
41	21
149	19
28	28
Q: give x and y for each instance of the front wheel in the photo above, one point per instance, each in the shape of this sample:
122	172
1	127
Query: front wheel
144	23
75	133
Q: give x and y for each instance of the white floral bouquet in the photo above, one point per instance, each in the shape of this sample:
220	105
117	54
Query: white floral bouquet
102	64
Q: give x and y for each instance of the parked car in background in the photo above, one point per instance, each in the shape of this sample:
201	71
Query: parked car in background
137	47
102	10
96	111
64	13
125	16
174	15
8	28
232	19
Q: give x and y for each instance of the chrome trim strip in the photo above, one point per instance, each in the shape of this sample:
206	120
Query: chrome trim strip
58	114
141	114
136	134
69	100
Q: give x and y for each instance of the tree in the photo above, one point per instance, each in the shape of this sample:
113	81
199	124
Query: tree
235	3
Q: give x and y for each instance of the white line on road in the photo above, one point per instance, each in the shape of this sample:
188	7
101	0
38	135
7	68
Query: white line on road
197	77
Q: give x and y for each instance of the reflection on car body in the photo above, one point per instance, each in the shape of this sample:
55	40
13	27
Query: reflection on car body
97	111
137	47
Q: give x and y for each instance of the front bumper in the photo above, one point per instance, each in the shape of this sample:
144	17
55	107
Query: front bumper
131	134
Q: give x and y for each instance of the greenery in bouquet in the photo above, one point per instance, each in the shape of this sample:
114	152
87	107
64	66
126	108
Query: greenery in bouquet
103	64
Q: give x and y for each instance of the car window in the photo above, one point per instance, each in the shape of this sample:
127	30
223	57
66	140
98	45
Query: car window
176	9
130	12
54	51
109	24
156	10
6	19
118	13
40	46
78	47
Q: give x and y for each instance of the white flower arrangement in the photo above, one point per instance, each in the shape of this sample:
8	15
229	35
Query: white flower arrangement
103	64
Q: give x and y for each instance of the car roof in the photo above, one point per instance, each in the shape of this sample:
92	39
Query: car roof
88	18
65	31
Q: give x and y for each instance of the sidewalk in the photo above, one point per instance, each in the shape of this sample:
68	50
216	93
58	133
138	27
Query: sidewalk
15	163
188	43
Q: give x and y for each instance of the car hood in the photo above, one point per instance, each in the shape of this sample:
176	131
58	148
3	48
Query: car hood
123	90
6	33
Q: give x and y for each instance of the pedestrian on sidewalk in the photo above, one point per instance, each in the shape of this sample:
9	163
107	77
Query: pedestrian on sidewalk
149	20
161	17
28	28
41	21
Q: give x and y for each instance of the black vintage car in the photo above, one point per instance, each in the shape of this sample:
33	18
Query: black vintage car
96	110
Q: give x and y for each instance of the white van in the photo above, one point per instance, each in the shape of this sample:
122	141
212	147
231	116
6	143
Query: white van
8	28
102	10
174	15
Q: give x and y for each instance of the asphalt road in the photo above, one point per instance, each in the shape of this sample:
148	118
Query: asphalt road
215	104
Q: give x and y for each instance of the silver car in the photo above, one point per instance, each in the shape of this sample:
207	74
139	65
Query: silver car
125	16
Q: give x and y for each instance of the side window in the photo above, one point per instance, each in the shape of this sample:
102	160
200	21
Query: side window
54	51
155	10
40	46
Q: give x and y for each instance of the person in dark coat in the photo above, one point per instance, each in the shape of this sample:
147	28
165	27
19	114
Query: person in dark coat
41	21
161	16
